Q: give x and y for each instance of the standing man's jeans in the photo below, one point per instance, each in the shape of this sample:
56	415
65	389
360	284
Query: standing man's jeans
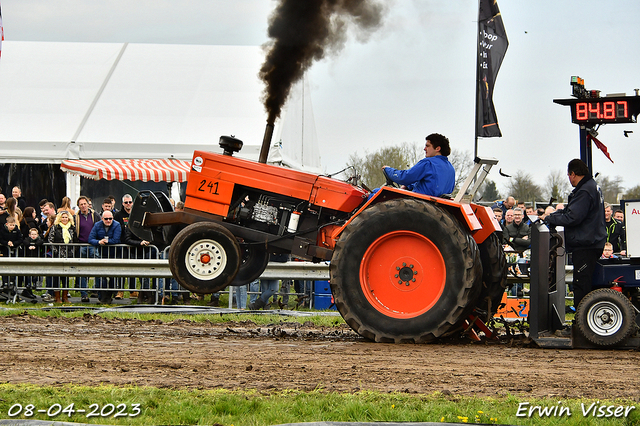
170	286
286	289
584	263
166	284
150	283
87	252
240	294
302	287
268	289
108	284
254	288
133	253
175	287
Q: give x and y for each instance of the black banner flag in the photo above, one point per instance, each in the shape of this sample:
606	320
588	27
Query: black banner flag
492	46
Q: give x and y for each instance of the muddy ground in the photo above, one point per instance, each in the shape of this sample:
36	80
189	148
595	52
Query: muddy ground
181	354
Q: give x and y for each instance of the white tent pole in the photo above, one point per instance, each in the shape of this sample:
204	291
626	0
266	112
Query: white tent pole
97	97
175	191
73	181
73	188
304	80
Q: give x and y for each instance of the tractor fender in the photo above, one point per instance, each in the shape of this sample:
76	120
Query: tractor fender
477	219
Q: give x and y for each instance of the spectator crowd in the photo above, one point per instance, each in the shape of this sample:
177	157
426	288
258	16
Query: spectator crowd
47	231
515	219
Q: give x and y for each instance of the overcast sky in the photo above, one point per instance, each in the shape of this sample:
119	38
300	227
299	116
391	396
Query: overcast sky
414	76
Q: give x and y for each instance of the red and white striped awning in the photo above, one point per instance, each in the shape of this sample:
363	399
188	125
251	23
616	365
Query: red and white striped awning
144	170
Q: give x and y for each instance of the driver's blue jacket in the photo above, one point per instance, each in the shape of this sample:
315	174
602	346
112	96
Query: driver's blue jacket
430	176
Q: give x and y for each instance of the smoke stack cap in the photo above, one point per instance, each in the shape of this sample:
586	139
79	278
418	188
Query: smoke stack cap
230	144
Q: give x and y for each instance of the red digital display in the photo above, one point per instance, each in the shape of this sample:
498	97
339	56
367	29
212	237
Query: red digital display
602	111
591	111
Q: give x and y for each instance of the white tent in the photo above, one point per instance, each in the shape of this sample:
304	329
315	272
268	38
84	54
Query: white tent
118	100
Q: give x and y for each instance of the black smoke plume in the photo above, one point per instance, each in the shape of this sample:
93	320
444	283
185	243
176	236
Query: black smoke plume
304	31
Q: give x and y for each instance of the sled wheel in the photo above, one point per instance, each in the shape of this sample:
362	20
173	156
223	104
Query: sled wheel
404	271
254	262
204	257
605	317
494	275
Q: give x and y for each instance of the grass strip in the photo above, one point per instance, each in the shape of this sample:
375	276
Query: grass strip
115	406
258	319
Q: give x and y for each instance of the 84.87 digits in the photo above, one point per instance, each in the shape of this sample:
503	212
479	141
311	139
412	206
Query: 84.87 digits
601	110
94	410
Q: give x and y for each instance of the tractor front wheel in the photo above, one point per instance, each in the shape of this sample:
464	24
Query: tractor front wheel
204	257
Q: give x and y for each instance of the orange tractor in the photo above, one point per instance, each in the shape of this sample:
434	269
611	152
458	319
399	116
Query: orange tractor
405	267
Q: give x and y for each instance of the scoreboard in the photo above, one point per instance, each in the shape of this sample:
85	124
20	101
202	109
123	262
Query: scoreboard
589	108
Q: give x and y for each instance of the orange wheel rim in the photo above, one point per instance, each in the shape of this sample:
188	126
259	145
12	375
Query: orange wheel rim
402	274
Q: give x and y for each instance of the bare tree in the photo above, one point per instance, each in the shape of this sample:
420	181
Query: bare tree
462	163
402	156
557	186
611	188
369	167
522	187
633	193
488	192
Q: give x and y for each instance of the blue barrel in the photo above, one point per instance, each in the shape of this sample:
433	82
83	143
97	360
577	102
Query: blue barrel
322	298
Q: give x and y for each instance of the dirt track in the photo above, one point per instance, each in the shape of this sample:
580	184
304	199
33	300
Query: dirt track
92	350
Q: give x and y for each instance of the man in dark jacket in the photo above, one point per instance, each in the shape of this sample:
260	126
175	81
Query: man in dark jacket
103	235
145	253
84	220
16	192
122	216
584	230
517	234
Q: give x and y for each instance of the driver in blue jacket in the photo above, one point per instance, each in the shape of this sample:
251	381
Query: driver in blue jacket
433	175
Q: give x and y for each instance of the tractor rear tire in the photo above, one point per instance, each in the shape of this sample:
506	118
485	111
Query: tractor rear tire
405	271
204	257
605	317
494	275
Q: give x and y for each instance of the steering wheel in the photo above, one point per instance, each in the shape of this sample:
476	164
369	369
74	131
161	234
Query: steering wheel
389	181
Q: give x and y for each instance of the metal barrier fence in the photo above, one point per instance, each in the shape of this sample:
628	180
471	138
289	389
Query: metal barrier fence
147	264
119	262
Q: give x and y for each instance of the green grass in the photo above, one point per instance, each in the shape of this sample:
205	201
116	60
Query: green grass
251	407
259	319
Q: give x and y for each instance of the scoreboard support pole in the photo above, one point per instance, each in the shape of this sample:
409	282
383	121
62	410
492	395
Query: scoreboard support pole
585	149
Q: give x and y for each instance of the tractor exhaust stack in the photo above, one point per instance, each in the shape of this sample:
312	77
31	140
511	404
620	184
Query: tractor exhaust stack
266	143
